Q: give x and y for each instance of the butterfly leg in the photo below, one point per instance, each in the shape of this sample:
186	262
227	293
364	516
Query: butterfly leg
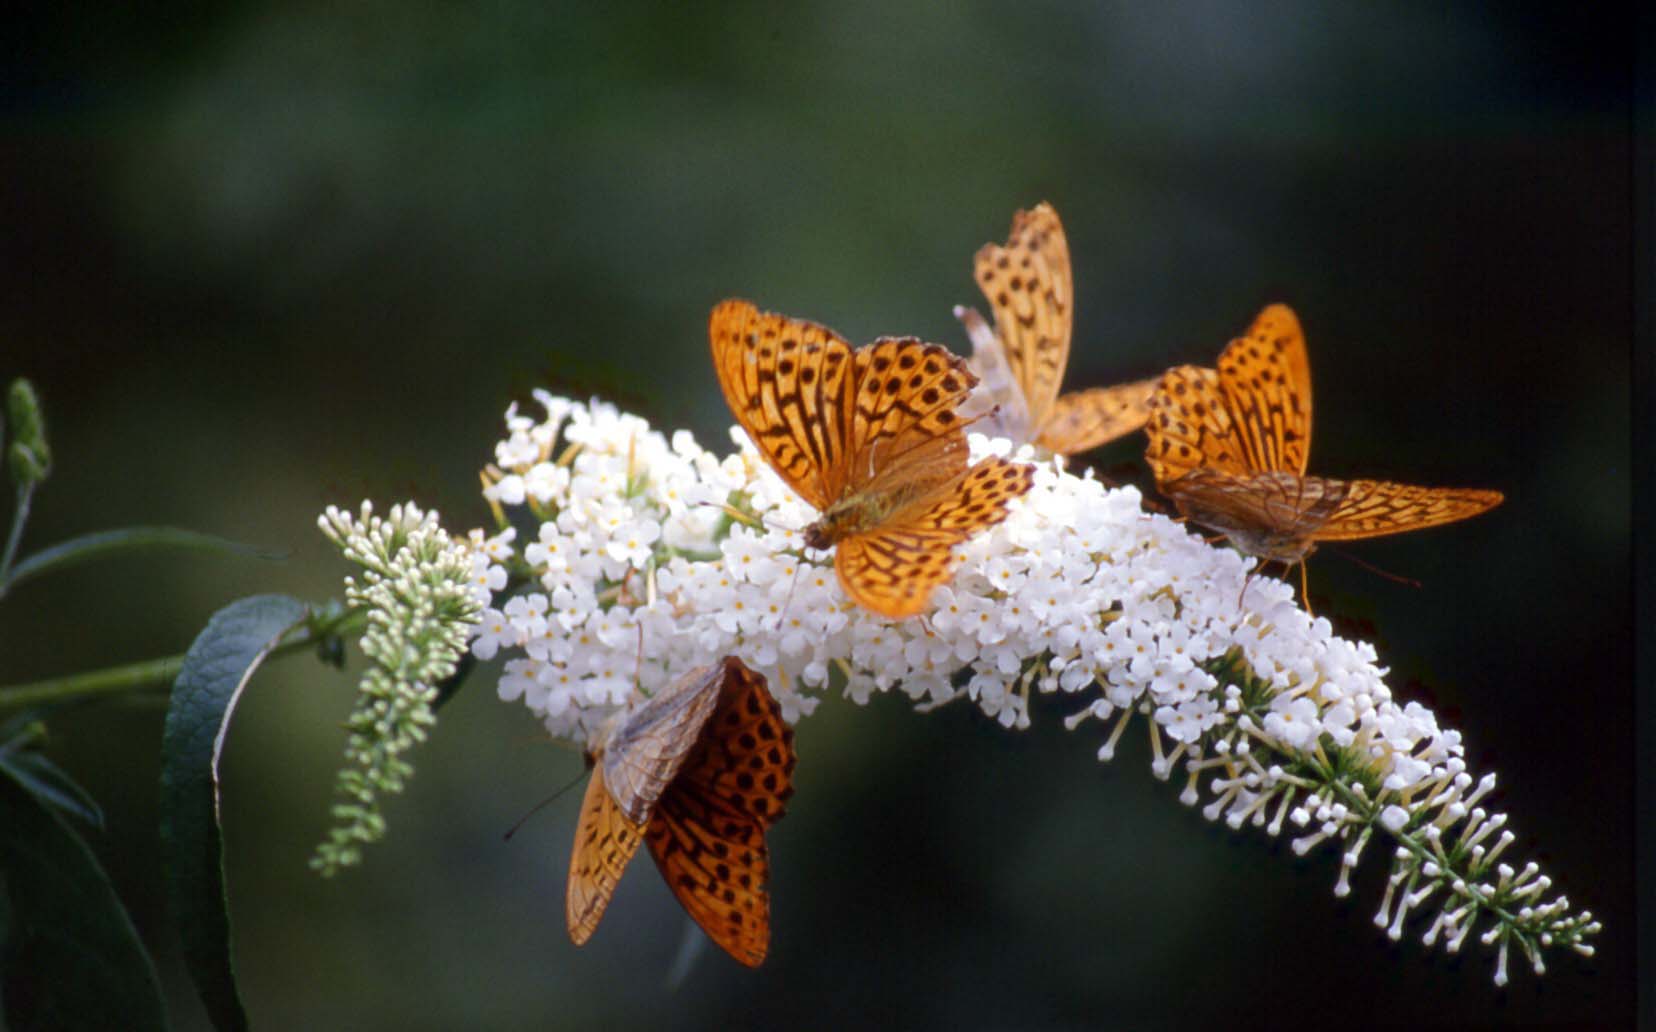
1305	590
1247	580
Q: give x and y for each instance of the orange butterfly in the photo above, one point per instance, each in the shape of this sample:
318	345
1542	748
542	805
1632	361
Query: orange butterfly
699	772
1021	362
871	439
1229	447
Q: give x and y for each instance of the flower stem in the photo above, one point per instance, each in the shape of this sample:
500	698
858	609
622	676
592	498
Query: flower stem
149	674
144	675
20	516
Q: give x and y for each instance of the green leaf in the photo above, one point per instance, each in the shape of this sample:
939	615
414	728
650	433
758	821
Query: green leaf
71	959
106	542
48	783
216	669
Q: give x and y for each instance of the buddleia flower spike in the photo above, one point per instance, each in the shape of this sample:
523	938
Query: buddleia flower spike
638	572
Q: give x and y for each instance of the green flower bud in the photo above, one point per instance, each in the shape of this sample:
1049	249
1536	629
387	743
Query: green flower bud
26	467
28	425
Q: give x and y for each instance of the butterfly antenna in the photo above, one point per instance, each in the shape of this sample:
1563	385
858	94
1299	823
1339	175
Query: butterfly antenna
1370	567
799	564
638	663
543	804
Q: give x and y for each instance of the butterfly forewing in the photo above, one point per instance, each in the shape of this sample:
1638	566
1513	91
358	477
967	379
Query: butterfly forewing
1190	427
905	396
1373	508
604	841
1083	420
637	757
1266	377
708	833
786	381
1027	284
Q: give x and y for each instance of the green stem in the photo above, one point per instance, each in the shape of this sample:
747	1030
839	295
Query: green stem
147	675
20	516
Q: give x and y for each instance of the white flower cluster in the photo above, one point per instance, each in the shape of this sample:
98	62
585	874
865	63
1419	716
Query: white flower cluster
650	557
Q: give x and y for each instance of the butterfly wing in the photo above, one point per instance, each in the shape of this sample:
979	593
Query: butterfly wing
904	396
1373	508
1027	284
893	569
605	840
997	404
1266	378
645	752
786	381
1191	428
708	832
1083	420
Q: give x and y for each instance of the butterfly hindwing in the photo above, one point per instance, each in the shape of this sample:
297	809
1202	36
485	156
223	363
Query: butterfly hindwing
894	569
1266	377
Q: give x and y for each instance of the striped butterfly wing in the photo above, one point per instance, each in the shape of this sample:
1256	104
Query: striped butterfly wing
894	568
1266	378
787	383
1027	283
1373	508
1083	420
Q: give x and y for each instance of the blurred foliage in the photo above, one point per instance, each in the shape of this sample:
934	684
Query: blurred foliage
263	257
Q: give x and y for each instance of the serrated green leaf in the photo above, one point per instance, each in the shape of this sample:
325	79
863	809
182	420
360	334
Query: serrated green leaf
216	669
104	543
71	958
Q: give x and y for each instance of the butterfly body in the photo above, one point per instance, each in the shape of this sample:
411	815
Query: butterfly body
1021	361
1230	446
1272	515
697	773
869	437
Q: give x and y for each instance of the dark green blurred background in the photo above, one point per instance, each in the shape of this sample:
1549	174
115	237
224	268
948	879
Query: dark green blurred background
260	258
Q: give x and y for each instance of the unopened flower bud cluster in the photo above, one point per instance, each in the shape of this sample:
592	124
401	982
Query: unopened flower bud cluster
420	593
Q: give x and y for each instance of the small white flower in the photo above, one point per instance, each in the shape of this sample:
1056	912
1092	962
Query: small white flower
632	541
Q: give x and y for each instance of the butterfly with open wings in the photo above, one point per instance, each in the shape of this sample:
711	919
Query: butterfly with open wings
1230	447
871	438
